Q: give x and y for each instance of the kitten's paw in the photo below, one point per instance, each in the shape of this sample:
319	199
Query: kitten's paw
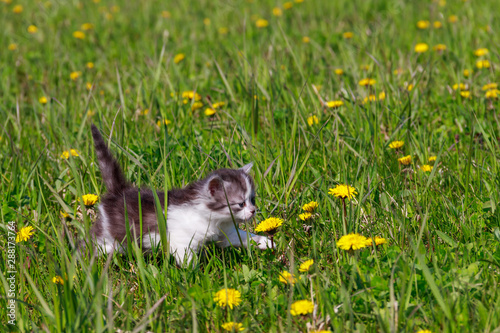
263	242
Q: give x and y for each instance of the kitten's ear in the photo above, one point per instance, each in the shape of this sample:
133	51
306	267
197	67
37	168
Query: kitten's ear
246	168
214	185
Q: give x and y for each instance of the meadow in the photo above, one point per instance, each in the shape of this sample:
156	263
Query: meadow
396	99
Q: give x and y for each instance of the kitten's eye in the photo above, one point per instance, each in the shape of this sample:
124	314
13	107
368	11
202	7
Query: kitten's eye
242	204
252	200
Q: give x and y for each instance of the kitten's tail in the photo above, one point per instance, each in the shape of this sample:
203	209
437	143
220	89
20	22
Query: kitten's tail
110	169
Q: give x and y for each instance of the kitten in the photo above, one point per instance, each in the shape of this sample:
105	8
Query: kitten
196	214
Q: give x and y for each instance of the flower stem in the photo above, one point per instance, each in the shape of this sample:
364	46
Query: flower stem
345	216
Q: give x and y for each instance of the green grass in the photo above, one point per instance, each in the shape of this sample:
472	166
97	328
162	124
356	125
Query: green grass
440	268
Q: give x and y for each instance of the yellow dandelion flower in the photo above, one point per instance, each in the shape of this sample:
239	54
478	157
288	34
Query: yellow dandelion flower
467	72
89	65
299	1
75	75
306	39
312	120
165	121
269	225
24	234
228	297
287	278
17	9
287	5
277	11
89	199
490	86
364	67
378	241
396	144
426	168
370	98
439	47
57	280
79	34
190	94
165	14
305	216
481	52
144	112
12	47
348	35
452	18
334	104
63	214
437	24
209	112
65	154
179	57
465	94
43	100
87	26
302	307
421	47
423	24
405	160
196	106
381	96
367	82
223	30
261	23
206	21
343	191
483	64
32	29
310	207
90	113
339	71
320	331
432	159
424	331
492	93
410	87
352	242
306	265
88	85
460	86
218	105
233	327
74	152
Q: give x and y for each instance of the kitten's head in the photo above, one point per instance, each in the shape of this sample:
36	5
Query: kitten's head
235	187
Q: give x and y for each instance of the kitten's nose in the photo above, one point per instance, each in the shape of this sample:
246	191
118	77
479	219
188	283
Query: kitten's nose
252	211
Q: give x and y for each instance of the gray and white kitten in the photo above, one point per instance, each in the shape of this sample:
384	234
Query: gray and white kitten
196	214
